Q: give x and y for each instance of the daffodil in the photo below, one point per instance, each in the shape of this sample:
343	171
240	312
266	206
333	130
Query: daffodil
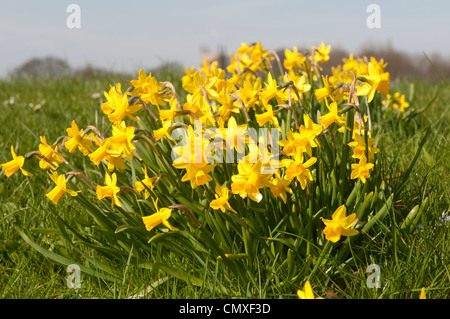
328	91
147	181
55	194
301	87
303	140
222	198
163	131
361	170
359	147
297	142
397	101
235	136
307	293
249	92
104	149
122	139
293	59
321	54
253	58
422	294
271	91
78	140
298	169
161	216
15	164
280	187
311	130
227	105
49	151
268	116
351	64
110	190
333	116
250	180
339	225
148	88
375	80
193	161
199	81
171	112
114	161
117	106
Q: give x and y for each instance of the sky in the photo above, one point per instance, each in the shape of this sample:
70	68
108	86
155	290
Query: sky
129	35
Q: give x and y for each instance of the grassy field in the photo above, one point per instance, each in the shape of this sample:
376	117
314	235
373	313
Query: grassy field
408	261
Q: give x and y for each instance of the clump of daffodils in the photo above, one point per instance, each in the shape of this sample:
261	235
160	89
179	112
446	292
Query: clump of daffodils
213	132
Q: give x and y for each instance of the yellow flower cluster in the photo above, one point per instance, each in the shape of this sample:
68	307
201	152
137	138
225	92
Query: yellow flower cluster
246	94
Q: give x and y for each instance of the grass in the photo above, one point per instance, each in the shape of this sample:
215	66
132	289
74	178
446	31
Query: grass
408	261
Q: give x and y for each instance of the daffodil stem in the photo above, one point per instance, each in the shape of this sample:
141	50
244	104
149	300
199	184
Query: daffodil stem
95	130
187	211
275	55
345	149
172	89
322	258
35	153
82	176
205	94
290	109
148	109
244	108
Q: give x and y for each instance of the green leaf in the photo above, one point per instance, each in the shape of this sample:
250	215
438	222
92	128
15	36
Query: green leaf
407	173
125	227
380	215
60	259
178	273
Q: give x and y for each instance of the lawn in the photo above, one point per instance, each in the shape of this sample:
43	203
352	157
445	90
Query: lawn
38	239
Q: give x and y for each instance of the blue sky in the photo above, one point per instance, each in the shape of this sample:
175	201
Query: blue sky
128	35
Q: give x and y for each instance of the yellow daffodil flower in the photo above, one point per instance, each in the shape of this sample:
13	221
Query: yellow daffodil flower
375	80
268	116
250	180
328	91
293	59
147	181
359	147
422	294
163	131
271	91
78	140
339	225
55	194
148	88
160	217
361	170
15	164
117	106
322	53
102	151
110	190
300	84
332	117
235	135
249	93
170	113
197	168
298	169
307	293
280	187
49	151
122	138
397	101
221	201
